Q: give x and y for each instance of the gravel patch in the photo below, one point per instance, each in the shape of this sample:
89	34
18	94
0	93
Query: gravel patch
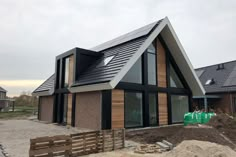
15	135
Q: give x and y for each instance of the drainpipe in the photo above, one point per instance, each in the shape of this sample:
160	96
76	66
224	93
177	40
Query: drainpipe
205	103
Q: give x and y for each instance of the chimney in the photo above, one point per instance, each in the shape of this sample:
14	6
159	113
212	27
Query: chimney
220	66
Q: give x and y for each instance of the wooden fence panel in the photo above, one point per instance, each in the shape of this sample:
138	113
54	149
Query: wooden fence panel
77	144
50	146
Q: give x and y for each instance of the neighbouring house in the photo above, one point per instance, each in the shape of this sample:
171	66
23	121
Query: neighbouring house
140	79
3	99
219	82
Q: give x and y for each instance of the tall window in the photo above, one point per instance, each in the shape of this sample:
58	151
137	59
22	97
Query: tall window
174	78
152	109
151	56
179	106
65	104
133	109
134	75
66	73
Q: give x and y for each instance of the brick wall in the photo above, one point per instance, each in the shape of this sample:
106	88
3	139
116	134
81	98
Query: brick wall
46	108
88	110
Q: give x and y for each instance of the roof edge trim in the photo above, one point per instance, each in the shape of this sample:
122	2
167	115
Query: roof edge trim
92	87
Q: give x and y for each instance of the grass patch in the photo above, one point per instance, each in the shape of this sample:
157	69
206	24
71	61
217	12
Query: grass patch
19	112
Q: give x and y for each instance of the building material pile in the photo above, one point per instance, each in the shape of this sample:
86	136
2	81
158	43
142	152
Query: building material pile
159	147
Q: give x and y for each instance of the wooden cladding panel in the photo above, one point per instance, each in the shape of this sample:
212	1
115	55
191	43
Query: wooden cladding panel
163	111
161	65
71	69
69	109
117	109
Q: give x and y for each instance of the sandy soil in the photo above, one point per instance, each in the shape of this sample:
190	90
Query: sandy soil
189	148
15	134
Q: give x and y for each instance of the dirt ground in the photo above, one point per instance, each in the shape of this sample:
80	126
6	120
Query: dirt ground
15	134
225	125
189	148
177	134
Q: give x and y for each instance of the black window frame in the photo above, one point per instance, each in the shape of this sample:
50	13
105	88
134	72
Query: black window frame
143	107
146	88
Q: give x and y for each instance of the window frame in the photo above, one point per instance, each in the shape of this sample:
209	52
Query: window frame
142	107
154	43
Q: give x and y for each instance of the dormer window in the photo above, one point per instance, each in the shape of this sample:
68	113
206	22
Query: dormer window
105	61
210	82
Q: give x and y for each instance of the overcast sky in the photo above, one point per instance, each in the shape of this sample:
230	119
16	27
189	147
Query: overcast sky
33	32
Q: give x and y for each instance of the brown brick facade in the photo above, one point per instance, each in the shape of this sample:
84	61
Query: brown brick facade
46	108
88	110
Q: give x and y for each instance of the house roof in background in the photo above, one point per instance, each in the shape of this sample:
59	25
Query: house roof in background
224	79
2	90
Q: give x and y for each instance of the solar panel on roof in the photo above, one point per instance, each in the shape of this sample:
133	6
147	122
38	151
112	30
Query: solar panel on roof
126	37
231	80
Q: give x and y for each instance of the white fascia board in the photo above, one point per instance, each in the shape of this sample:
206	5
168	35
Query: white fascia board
136	56
44	93
92	87
187	69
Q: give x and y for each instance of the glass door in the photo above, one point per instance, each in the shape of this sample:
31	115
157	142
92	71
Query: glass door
65	104
179	106
152	109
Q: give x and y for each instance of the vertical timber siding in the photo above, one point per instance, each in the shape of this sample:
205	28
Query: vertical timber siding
161	65
163	109
88	110
71	70
71	76
69	109
46	108
117	109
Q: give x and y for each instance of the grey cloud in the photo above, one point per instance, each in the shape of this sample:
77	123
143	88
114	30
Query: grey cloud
32	33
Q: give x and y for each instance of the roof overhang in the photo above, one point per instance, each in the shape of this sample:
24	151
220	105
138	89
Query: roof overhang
92	87
44	93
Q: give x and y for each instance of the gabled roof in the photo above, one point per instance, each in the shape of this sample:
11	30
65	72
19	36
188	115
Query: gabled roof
2	90
126	50
224	79
162	27
46	88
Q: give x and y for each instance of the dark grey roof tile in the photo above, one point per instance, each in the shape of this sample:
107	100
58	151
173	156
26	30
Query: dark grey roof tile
221	77
47	85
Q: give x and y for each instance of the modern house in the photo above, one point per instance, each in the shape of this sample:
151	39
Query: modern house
3	99
140	79
219	82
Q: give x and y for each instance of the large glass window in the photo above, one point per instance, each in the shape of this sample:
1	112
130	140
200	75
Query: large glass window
66	74
134	75
133	109
174	78
151	56
179	106
65	104
152	109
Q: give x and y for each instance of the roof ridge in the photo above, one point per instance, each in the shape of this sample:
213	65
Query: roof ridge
215	64
114	41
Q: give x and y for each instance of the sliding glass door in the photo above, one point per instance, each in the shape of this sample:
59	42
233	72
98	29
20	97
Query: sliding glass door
133	109
179	106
